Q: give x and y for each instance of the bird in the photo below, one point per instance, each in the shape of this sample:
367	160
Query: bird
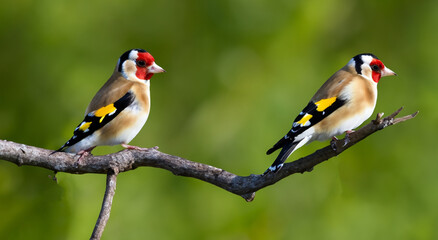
119	109
341	104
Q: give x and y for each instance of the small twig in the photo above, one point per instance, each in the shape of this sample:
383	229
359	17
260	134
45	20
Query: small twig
105	211
394	114
405	118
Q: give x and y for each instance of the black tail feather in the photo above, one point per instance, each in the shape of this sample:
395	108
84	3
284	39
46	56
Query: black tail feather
61	149
281	143
282	156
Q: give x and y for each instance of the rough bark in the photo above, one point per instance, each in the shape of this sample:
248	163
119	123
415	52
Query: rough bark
126	160
105	211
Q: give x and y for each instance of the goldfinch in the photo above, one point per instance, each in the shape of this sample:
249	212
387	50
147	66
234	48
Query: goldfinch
120	108
342	103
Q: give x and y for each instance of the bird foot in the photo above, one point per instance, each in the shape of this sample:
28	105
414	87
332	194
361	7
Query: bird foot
333	143
84	153
347	137
133	147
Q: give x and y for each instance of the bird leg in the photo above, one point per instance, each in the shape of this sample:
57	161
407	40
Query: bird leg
84	153
347	137
133	147
333	143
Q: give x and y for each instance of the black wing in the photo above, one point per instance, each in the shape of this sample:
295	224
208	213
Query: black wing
312	114
99	118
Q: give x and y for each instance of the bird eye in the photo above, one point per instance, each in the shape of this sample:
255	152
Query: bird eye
375	68
141	63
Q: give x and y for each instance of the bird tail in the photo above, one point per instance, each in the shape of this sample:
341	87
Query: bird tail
287	150
61	149
281	143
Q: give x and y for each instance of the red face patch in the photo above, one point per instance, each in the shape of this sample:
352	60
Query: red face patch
376	66
144	60
147	57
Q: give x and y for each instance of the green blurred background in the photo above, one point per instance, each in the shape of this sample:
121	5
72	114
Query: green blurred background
238	72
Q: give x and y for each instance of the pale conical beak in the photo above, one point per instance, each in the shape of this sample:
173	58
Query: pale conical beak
154	68
388	72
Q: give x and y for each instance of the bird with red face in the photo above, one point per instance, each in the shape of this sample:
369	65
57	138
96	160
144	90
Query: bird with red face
119	109
342	103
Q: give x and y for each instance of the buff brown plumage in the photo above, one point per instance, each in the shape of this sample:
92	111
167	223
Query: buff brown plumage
343	102
120	108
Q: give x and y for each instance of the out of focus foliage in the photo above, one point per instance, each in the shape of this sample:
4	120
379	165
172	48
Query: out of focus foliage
238	72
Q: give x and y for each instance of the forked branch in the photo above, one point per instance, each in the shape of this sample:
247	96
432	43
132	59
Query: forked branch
127	160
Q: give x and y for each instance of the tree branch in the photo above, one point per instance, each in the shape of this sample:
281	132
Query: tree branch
105	211
127	160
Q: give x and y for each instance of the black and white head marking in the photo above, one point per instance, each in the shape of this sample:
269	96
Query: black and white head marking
362	60
131	54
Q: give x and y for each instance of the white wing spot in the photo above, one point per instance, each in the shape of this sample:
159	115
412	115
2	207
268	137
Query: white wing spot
111	113
306	124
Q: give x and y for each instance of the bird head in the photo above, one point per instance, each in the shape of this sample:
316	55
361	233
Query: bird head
370	67
137	64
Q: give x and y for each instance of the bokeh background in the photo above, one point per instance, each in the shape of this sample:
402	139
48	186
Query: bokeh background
238	72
